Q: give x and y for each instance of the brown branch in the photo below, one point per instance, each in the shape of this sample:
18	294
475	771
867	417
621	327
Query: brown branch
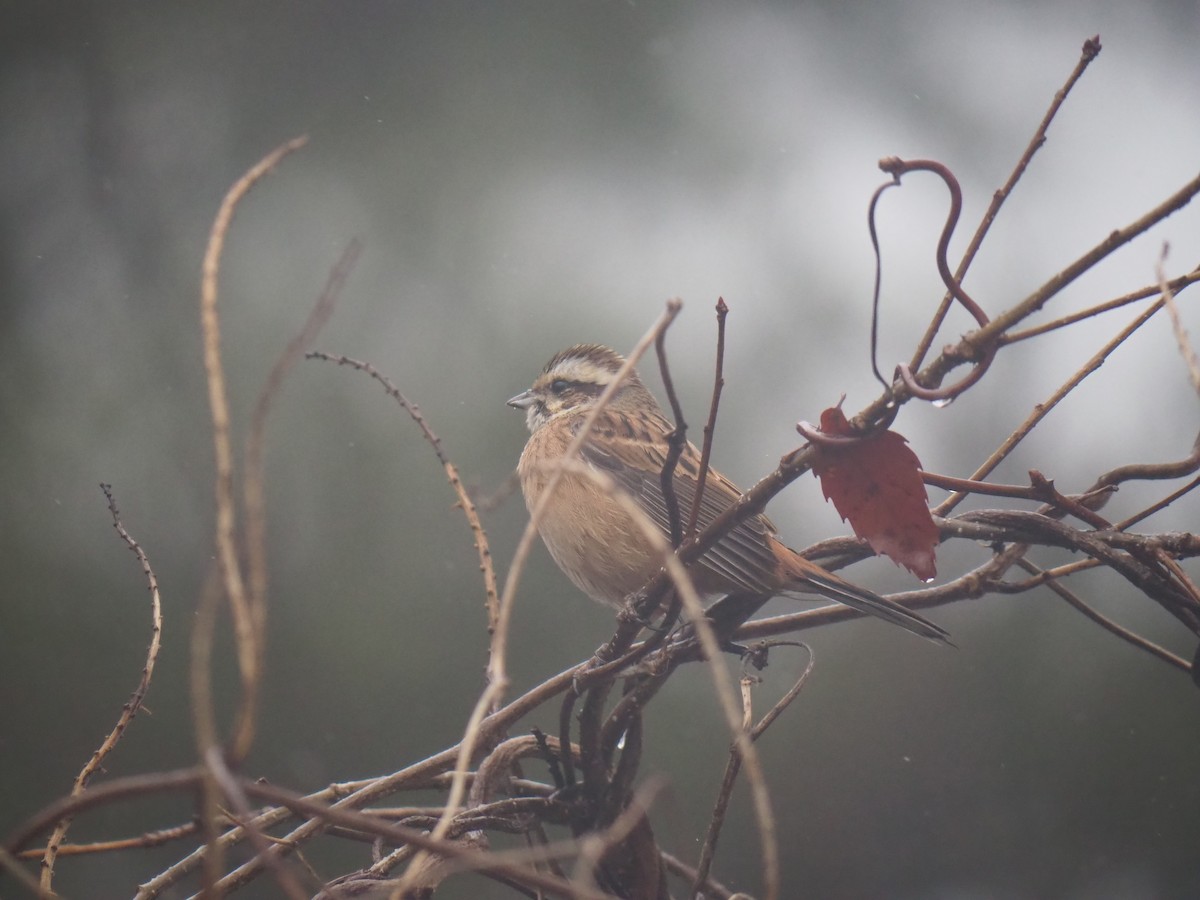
249	650
712	890
1116	239
1043	409
141	842
1186	351
465	503
676	441
1103	621
1091	49
1045	490
219	772
1176	285
1158	506
709	848
1153	471
132	706
99	795
1026	527
710	427
475	860
978	527
1037	491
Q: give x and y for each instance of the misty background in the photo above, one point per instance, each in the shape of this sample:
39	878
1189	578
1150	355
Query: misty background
529	175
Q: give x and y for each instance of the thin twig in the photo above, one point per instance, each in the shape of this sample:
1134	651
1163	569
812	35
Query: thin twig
143	841
99	795
1150	510
989	335
132	706
733	766
1043	409
1091	49
465	503
1115	240
711	890
1015	491
710	427
1176	285
1152	471
248	641
1181	335
1103	621
676	441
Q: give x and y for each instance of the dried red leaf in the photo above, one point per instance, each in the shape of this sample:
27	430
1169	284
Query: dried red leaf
875	484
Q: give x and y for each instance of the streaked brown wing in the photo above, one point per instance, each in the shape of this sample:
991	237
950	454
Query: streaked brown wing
633	451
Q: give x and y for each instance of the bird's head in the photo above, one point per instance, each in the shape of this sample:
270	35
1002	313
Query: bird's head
574	379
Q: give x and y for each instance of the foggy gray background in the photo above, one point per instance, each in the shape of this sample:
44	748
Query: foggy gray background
528	175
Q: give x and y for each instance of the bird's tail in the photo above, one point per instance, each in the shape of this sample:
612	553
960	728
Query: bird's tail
809	578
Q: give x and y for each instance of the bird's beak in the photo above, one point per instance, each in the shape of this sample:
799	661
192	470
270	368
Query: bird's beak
523	400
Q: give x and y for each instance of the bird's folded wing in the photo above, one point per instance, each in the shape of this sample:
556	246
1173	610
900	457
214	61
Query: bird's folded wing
634	454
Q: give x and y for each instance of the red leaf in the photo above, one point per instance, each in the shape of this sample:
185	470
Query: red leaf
875	483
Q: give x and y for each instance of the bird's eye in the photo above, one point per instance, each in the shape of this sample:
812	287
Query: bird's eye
559	386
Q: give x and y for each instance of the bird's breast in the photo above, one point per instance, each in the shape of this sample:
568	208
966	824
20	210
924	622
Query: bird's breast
587	530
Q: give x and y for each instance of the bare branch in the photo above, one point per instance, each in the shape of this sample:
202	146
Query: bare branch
1043	409
710	427
1181	335
465	503
676	441
249	648
1104	622
232	790
1091	49
132	706
709	848
1176	285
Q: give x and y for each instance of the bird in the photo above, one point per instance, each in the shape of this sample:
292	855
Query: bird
594	540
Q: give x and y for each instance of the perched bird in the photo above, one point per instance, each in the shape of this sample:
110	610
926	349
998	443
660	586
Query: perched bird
593	539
